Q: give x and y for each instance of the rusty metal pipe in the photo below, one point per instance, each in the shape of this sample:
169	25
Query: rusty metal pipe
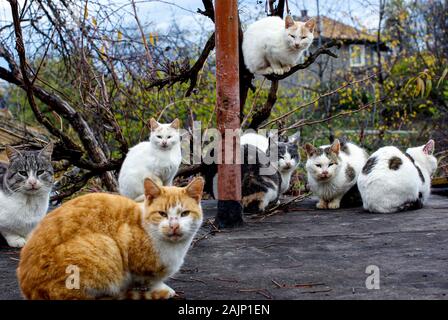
228	111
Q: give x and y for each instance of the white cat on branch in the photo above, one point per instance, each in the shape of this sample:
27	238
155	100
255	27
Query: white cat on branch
273	45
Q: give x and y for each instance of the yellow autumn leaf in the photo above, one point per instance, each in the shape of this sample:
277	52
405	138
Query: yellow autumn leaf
428	87
151	39
86	12
94	21
442	77
420	88
119	35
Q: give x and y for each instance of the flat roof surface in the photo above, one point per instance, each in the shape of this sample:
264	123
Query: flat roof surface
309	254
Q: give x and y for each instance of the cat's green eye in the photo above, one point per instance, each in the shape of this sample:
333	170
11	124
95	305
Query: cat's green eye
318	165
159	137
185	213
163	214
169	137
331	164
23	173
292	36
40	172
303	38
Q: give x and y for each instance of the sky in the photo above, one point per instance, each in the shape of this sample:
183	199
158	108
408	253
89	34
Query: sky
159	14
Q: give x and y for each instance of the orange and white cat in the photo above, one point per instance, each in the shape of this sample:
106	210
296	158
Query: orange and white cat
103	245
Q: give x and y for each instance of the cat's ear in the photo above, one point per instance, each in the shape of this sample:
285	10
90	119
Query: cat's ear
295	138
309	149
335	146
195	188
175	124
310	25
152	190
289	22
47	151
153	124
428	148
11	152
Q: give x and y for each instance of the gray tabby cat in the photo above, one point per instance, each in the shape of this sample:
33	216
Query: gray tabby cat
25	186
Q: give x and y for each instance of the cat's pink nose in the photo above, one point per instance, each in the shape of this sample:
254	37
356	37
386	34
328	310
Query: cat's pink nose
325	173
174	228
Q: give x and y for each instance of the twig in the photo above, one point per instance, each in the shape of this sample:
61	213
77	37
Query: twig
298	285
263	113
253	104
190	75
142	33
271	211
317	99
301	123
226	280
264	292
317	291
276	283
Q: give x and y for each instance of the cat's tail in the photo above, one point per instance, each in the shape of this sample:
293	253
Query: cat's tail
352	198
412	205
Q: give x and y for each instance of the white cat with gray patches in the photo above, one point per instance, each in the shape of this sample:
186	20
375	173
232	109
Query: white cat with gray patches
158	159
393	181
25	186
333	170
273	45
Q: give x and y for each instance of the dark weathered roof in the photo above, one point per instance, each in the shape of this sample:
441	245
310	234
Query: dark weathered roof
333	29
309	254
13	132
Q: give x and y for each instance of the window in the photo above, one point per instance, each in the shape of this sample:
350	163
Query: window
357	55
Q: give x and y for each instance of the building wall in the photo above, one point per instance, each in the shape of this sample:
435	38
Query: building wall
335	70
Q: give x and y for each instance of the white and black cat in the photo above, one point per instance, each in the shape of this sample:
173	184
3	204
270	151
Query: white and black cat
288	154
25	186
393	181
158	159
274	45
333	170
260	180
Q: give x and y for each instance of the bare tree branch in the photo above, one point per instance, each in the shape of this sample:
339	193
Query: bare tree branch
310	60
262	114
192	74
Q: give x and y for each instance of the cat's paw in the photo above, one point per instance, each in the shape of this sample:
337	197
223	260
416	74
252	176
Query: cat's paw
266	71
322	205
286	69
15	241
161	292
334	204
278	71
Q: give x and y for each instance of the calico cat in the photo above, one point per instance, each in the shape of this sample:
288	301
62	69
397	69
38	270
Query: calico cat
333	170
288	154
393	181
271	45
25	188
114	243
259	189
158	159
